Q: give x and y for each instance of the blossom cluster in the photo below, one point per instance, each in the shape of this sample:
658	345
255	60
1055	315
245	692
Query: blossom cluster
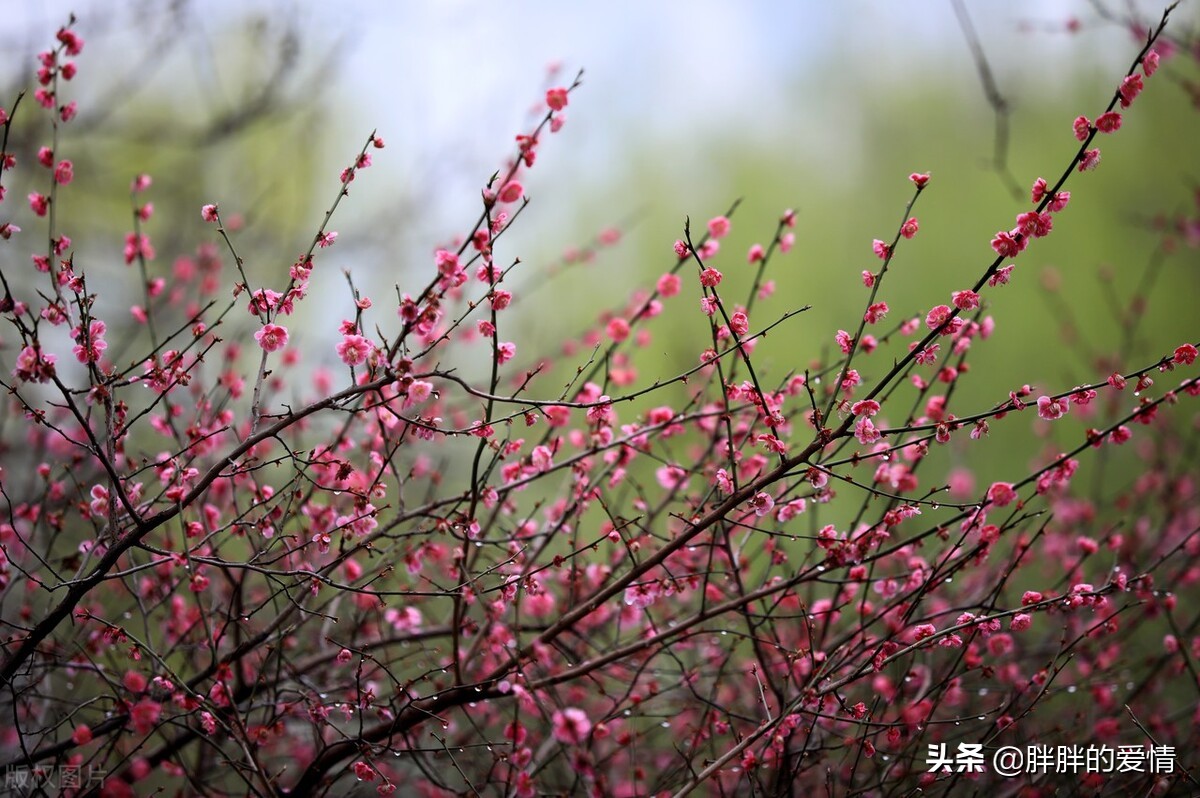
397	570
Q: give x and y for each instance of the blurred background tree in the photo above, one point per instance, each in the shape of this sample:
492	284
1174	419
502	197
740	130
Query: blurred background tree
820	107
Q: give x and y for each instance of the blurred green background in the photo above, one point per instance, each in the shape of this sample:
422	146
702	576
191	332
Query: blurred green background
820	107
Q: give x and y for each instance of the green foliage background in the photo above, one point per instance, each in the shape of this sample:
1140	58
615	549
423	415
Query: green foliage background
263	123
